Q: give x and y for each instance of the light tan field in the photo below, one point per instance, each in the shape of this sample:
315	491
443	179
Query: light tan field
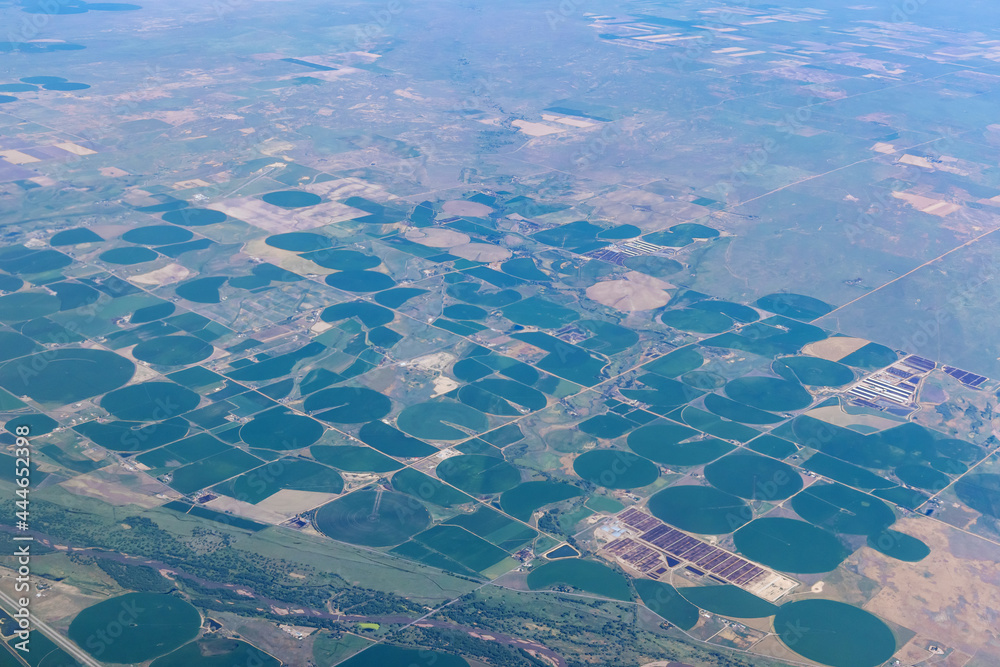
536	129
167	275
834	349
458	244
481	252
649	211
462	207
937	207
286	259
442	385
75	149
832	414
951	595
288	503
437	361
771	646
326	75
567	120
916	161
436	237
240	508
17	157
62	601
636	292
118	486
193	183
276	219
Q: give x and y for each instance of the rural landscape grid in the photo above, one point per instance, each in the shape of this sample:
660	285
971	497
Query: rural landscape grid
555	333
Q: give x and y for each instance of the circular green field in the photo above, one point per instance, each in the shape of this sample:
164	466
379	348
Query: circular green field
795	306
766	393
615	469
372	518
194	217
202	290
522	500
22	306
360	281
870	357
14	345
463	311
584	575
278	429
620	232
172	350
128	256
135	627
607	426
66	86
479	474
217	652
10	283
74	236
843	510
348	405
899	546
814	371
662	443
427	489
738	412
154	312
728	600
343	260
700	509
664	600
704	380
121	436
74	295
754	477
292	199
37	424
26	261
736	311
697	321
790	545
772	446
150	401
66	375
157	235
370	314
392	441
834	633
43	80
354	458
437	420
299	241
922	476
470	370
